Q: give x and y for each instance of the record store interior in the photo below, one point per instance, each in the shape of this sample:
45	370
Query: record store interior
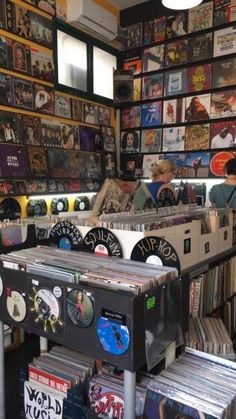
118	209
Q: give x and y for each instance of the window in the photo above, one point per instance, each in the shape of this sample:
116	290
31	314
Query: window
103	65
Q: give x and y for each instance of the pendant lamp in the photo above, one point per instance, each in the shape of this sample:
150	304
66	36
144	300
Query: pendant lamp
181	4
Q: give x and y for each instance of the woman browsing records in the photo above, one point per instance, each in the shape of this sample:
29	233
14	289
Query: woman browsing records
224	194
162	191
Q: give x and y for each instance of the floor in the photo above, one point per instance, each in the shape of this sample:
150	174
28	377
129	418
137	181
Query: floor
14	360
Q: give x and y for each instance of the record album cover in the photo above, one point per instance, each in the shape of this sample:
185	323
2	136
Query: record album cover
151	114
8	128
104	116
200	17
175	82
218	161
110	165
48	6
20	56
130	117
197	164
69	136
86	138
153	58
173	111
44	99
131	165
148	161
177	25
223	134
22	22
130	141
50	133
197	108
62	106
197	137
37	161
22	93
42	65
77	109
176	53
225	41
5	89
173	139
200	47
148	32
224	11
137	89
199	78
223	104
159	29
224	73
151	140
41	29
108	139
29	129
152	86
132	37
13	162
4	55
90	113
134	64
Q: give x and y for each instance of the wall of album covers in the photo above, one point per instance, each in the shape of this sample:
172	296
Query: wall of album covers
50	142
184	101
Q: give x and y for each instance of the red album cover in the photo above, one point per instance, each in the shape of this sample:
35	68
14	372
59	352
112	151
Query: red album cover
51	380
217	162
199	78
134	64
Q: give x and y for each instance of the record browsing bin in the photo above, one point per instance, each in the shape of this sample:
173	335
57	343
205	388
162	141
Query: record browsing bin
220	222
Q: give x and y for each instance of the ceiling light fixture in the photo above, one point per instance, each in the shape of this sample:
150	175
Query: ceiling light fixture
181	4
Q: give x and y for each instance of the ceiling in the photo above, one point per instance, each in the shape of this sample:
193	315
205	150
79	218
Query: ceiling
124	4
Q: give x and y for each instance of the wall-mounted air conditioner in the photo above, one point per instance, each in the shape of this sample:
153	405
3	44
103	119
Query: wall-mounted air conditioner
93	17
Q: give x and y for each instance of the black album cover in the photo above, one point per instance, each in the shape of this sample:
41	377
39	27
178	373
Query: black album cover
177	25
37	161
62	106
22	93
131	165
44	99
86	138
59	205
36	208
65	235
29	129
100	240
5	61
132	36
200	47
5	89
8	127
13	162
10	209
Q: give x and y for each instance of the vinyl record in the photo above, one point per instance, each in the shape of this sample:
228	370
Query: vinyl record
79	307
36	207
16	306
155	250
114	337
59	205
65	235
10	209
45	309
102	241
81	203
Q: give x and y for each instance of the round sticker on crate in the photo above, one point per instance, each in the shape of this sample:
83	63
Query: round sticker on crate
65	235
102	241
157	251
16	306
79	307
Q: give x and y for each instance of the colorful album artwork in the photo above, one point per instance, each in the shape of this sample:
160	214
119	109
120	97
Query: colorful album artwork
224	12
74	164
20	56
218	161
42	65
223	134
131	165
22	22
200	17
90	113
200	47
152	86
50	133
159	29
137	89
197	137
48	6
148	161
224	73
225	41
41	29
108	139
86	138
151	114
197	108
77	109
173	111
130	141
153	58
177	25
79	307
8	128
22	93
69	136
110	165
197	164
130	117
104	116
134	64
29	129
114	337
173	139
44	99
179	160
37	161
13	187
13	162
199	78
45	309
176	53
175	82
223	104
62	106
151	140
132	36
5	89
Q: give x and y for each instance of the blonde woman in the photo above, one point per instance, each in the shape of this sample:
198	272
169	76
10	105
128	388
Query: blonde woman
161	190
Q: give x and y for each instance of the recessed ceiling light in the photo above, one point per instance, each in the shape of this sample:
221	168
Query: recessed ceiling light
181	4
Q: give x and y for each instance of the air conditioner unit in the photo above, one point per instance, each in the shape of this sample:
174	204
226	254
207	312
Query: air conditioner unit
93	17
